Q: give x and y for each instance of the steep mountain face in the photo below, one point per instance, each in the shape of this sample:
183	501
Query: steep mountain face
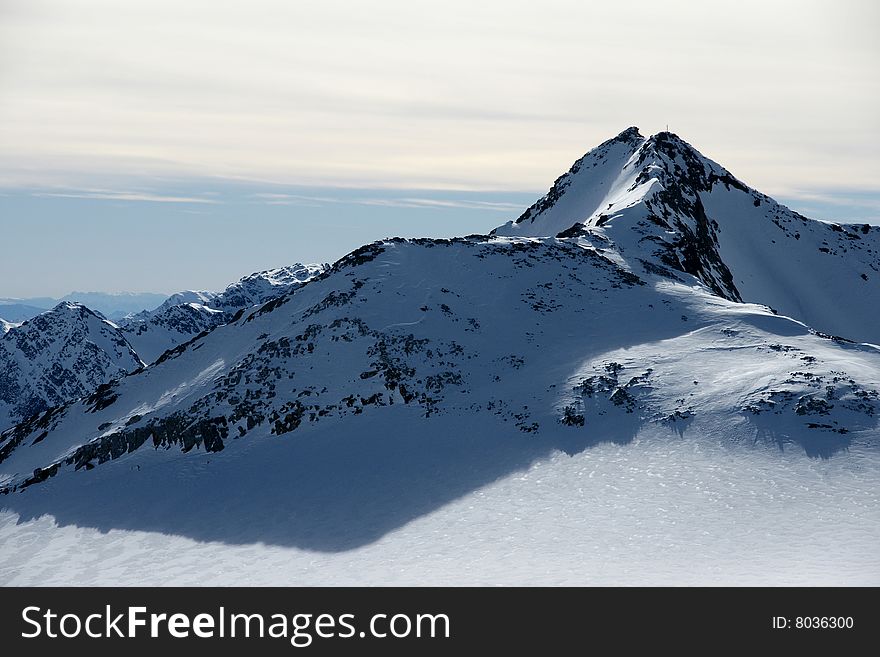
5	326
558	340
153	333
198	297
59	355
262	286
186	314
664	207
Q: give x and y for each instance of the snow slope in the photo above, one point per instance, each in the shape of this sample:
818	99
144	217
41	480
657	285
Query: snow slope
660	510
593	406
186	314
154	332
663	204
262	286
68	351
5	326
56	356
556	340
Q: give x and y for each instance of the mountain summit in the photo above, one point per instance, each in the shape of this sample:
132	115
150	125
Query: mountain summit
667	208
582	362
57	356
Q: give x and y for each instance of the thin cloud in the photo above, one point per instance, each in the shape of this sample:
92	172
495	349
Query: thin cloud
106	195
844	198
415	203
438	203
295	199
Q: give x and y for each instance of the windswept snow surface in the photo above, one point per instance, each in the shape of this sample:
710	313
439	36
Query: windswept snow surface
597	405
660	510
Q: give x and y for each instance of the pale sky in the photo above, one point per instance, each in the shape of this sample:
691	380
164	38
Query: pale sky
161	102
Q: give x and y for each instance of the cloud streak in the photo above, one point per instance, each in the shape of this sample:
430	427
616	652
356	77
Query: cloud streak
109	195
844	198
390	202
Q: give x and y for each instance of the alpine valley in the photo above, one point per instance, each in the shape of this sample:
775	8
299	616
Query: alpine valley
655	375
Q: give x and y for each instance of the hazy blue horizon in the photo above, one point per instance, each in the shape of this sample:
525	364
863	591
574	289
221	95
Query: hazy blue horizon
207	234
154	145
215	233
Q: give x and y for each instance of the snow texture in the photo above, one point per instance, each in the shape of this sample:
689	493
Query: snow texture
599	393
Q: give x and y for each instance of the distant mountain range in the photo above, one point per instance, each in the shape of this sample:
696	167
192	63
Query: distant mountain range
66	352
111	305
14	312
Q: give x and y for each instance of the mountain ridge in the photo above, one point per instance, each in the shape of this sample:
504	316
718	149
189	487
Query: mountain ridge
401	322
56	356
31	384
186	314
682	212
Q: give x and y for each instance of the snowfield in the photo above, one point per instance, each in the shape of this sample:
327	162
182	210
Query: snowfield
661	510
599	393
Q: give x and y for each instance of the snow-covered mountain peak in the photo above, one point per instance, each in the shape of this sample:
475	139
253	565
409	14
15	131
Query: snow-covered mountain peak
65	314
59	355
69	350
631	134
261	286
186	314
296	273
582	192
71	308
662	207
619	173
677	165
201	297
